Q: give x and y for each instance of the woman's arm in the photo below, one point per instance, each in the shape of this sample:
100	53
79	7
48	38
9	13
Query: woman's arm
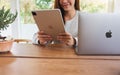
35	39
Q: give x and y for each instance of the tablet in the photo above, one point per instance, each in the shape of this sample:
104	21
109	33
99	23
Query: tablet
50	21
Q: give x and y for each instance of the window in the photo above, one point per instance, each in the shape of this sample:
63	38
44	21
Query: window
5	3
93	6
26	6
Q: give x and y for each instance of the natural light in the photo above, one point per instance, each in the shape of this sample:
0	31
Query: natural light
24	26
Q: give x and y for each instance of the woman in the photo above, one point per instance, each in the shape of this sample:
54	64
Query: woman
70	12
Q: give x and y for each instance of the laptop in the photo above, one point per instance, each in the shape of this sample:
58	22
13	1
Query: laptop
50	21
99	34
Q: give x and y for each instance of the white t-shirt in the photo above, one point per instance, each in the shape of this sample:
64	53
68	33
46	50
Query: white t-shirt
71	26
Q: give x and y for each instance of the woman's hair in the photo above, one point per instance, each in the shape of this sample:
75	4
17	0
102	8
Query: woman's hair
57	6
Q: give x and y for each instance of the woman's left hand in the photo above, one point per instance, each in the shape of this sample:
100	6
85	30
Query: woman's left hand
66	38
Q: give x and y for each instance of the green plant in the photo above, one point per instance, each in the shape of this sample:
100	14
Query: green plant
6	18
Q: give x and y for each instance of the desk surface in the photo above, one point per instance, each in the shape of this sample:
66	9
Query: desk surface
55	51
30	50
28	59
36	66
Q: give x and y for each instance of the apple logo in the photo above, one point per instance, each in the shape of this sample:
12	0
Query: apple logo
108	34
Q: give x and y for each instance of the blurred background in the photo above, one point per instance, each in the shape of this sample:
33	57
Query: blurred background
24	26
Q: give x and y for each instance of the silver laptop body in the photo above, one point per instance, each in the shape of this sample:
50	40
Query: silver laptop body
99	33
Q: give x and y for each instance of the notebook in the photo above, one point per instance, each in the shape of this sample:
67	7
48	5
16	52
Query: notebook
99	34
50	21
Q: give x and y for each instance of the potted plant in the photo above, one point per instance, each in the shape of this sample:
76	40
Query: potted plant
6	18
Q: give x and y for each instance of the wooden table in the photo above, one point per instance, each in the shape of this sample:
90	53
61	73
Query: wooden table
28	59
30	50
55	51
37	66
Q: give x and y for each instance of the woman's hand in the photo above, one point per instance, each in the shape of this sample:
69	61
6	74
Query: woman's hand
66	38
43	37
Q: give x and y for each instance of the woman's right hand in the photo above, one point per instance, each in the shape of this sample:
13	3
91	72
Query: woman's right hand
43	37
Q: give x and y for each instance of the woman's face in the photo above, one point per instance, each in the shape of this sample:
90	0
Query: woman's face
67	5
